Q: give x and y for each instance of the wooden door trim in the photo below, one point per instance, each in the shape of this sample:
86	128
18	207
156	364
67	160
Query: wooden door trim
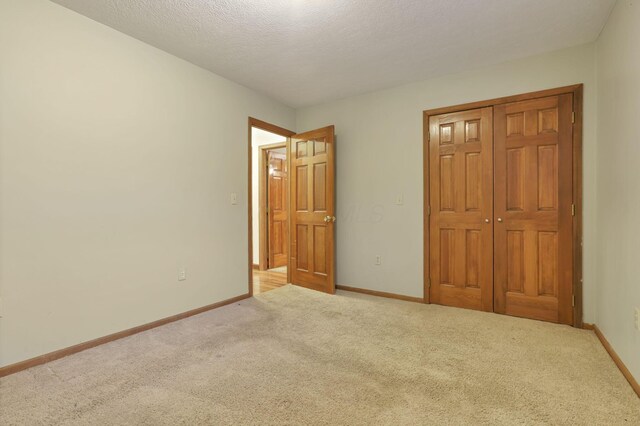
254	122
614	356
505	100
262	200
380	294
577	91
577	201
61	353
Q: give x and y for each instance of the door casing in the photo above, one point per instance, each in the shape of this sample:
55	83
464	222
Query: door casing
577	92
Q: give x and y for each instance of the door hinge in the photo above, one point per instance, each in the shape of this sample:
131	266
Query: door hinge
573	300
428	282
429	137
428	210
573	209
573	116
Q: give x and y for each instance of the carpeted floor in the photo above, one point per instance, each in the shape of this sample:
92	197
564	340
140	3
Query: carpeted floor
294	356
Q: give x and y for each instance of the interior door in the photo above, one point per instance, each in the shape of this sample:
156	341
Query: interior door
533	209
461	202
312	196
277	207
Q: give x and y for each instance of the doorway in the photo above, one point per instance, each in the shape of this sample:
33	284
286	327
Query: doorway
291	207
269	207
503	194
271	271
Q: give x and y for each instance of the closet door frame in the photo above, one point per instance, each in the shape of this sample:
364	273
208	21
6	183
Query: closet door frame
577	92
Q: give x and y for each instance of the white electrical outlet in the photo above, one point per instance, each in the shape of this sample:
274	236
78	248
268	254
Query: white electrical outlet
399	199
182	274
637	315
234	198
378	260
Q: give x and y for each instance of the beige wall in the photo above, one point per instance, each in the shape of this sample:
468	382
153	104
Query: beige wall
117	164
618	168
379	156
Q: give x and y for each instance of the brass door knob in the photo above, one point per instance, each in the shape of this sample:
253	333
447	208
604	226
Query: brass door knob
499	219
328	219
487	221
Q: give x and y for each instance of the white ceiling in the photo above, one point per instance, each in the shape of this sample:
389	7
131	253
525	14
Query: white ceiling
304	52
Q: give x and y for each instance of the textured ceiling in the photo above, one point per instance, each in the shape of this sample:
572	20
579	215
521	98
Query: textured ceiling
304	52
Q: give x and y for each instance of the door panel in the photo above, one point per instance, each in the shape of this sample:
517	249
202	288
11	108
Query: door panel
277	208
313	215
533	201
461	188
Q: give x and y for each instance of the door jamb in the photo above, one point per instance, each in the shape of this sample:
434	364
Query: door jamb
262	199
254	122
577	91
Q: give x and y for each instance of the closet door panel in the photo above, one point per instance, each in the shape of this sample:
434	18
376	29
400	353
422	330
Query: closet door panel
533	209
461	200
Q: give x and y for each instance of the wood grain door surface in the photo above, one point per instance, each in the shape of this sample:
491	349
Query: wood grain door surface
461	189
312	209
533	209
501	199
277	207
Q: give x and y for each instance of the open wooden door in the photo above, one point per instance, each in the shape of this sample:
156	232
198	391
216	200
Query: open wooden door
277	207
312	188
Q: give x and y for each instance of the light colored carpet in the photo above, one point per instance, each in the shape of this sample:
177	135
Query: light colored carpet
294	356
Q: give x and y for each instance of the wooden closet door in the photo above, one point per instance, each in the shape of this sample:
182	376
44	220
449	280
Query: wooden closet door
461	201
533	209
